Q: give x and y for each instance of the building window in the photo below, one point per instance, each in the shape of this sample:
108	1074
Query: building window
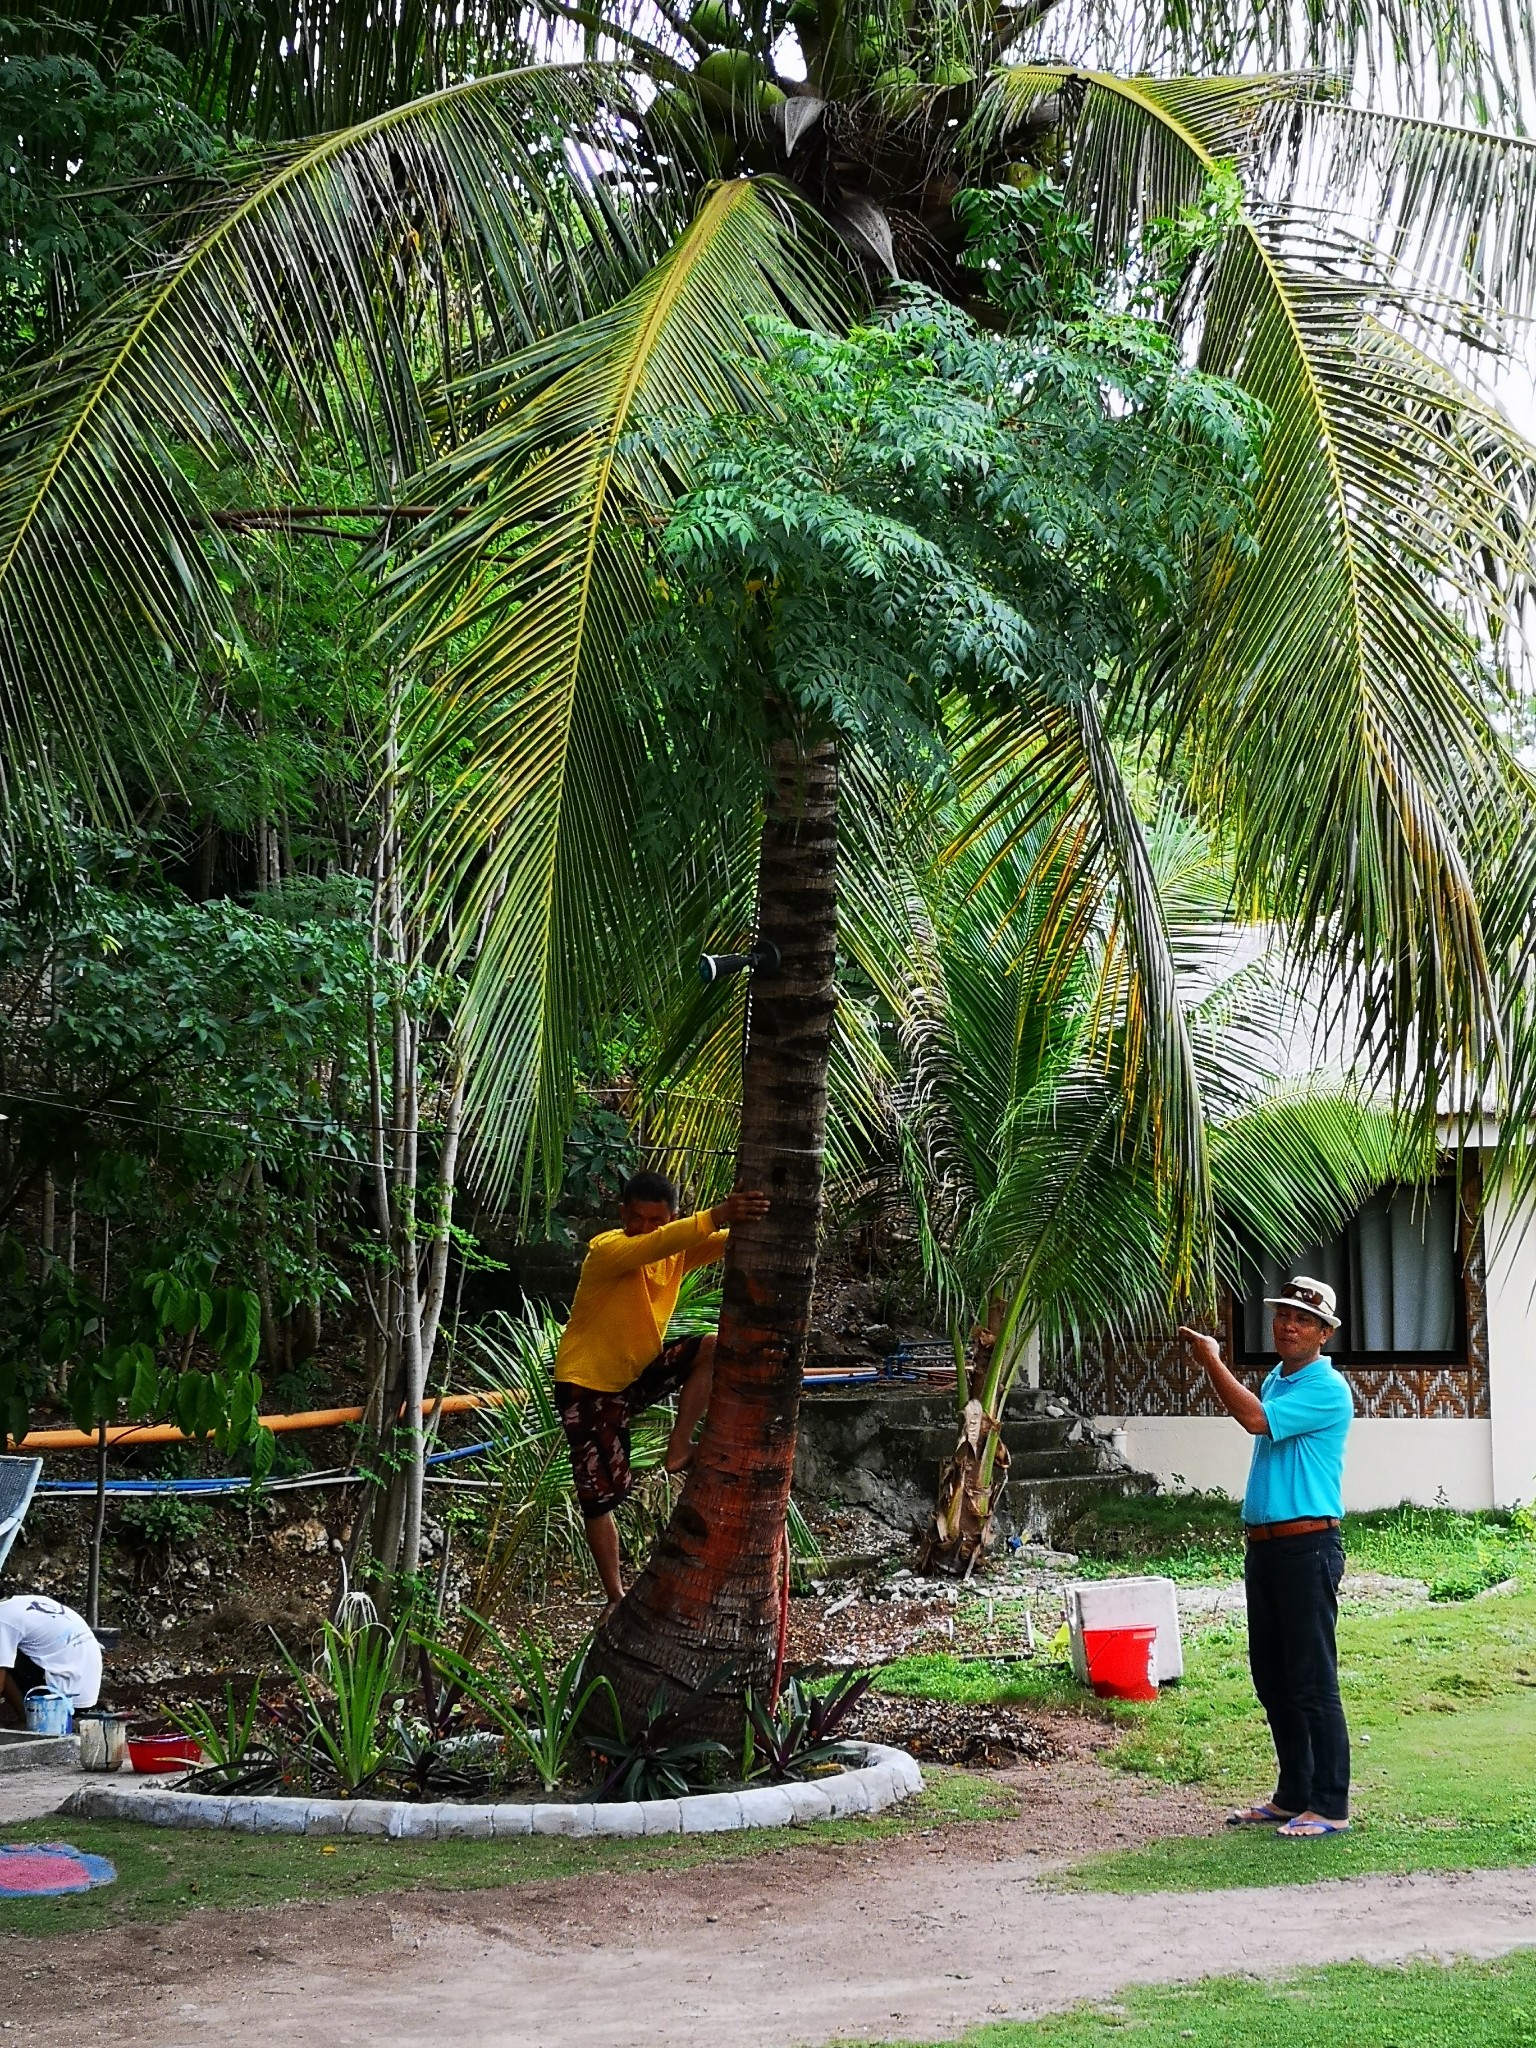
1396	1270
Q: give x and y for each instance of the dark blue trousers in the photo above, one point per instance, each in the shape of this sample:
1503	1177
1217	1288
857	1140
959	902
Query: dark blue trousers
1292	1584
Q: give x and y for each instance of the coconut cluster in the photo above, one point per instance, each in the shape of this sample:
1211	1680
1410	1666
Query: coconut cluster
731	87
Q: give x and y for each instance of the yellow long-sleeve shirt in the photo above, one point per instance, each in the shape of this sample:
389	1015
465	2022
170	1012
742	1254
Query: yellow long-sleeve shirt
625	1298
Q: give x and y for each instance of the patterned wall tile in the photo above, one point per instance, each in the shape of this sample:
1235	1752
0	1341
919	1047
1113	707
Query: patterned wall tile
1153	1377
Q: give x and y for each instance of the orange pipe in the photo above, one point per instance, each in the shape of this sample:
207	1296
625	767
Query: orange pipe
133	1433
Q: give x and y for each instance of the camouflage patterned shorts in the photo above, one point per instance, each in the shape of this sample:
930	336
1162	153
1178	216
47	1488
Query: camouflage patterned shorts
597	1425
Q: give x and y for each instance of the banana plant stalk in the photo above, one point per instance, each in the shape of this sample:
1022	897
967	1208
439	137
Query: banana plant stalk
974	1475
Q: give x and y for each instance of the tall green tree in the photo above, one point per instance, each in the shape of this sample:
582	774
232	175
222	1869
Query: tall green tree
521	293
927	517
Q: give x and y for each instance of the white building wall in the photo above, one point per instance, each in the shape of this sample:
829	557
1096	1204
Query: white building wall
1388	1461
1488	1463
1511	1260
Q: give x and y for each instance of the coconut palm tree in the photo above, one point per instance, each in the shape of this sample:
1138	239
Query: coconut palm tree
1010	1114
526	283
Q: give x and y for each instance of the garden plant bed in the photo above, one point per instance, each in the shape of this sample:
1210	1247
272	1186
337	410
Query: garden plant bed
885	1776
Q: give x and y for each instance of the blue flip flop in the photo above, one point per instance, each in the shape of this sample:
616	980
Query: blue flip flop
1264	1815
1311	1828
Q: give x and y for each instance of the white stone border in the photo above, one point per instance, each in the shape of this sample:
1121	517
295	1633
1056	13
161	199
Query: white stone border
885	1776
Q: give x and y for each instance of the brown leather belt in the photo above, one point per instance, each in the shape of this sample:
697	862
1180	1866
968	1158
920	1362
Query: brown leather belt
1308	1525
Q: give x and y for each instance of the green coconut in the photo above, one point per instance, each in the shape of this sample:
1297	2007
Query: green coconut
899	89
769	95
673	116
953	73
1021	176
733	72
710	20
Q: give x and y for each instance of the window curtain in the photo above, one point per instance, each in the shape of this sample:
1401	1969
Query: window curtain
1403	1271
1393	1269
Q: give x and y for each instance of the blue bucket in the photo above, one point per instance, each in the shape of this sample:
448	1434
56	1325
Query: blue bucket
49	1712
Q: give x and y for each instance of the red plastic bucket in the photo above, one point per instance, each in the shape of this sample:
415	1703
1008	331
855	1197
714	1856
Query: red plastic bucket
163	1752
1122	1662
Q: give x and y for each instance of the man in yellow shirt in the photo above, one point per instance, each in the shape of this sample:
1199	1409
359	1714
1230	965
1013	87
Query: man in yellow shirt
614	1361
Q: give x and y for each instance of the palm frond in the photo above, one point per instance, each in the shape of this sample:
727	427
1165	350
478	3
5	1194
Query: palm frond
1063	1205
1461	58
1334	690
1443	203
529	590
310	296
1298	1161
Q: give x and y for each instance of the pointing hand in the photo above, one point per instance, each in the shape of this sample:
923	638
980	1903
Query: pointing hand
1205	1350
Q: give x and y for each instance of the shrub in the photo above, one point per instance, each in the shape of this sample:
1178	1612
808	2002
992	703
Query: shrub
536	1704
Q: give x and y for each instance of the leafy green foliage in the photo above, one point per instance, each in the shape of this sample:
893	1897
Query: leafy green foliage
102	146
660	1759
191	1079
345	1699
797	1737
225	1739
524	590
932	509
539	1705
166	1521
1010	1113
937	524
1345	673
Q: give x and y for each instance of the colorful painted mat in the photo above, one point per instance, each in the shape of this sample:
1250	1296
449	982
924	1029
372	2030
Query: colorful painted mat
43	1870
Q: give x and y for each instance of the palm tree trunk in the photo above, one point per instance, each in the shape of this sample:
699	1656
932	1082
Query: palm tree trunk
705	1611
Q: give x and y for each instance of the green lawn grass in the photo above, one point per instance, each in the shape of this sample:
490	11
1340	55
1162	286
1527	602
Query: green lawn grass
163	1874
1442	1706
938	1675
1424	2005
1196	1538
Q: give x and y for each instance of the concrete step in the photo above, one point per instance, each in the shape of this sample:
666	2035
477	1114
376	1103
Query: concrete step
1045	1509
1025	1421
883	1450
1042	1457
1069	1461
21	1750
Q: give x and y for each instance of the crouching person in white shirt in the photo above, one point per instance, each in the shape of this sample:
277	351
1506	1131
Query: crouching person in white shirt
42	1642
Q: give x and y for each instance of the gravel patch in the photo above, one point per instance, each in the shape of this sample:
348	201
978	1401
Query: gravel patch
989	1738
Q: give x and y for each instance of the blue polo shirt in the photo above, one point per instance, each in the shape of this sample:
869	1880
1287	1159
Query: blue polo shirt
1298	1469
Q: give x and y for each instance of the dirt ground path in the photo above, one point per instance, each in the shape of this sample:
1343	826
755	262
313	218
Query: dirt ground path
913	1939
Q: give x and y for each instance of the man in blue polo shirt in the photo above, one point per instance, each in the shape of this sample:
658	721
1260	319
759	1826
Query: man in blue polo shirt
1299	1421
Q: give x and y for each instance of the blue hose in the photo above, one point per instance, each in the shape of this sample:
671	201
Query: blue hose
145	1489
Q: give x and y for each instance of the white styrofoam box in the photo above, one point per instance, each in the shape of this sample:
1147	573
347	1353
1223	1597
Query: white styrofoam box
1126	1603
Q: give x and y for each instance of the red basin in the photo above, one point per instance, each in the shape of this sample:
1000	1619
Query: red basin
163	1752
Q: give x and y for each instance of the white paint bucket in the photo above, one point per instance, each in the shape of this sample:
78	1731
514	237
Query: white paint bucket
103	1739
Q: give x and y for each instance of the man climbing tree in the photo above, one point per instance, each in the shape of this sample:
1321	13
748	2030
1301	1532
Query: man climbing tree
614	1360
